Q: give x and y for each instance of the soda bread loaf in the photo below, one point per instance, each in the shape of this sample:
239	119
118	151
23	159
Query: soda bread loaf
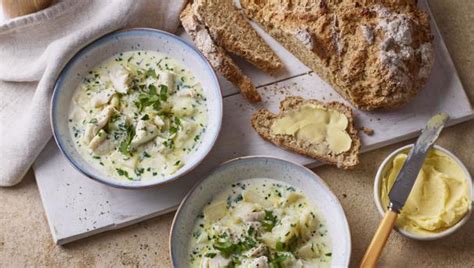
375	53
264	122
217	56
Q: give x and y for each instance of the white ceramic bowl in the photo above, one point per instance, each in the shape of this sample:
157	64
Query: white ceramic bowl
261	167
377	186
121	41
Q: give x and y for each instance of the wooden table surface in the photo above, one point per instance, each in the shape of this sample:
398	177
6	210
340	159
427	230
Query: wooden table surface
25	239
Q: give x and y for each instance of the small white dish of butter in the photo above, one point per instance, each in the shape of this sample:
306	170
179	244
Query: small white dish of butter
441	199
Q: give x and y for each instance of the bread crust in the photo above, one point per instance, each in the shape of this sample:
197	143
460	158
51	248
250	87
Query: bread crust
375	53
217	56
263	119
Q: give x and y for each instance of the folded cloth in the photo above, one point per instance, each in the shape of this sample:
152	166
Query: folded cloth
34	49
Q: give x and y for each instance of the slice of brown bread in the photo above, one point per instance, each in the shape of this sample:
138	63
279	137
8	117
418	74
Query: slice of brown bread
231	30
216	55
263	120
375	53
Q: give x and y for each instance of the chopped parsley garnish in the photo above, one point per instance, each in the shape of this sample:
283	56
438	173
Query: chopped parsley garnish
227	248
139	171
124	146
151	73
145	100
289	246
269	221
122	172
173	130
277	260
163	92
210	255
152	90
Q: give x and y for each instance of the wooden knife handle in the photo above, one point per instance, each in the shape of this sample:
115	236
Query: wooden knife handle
378	241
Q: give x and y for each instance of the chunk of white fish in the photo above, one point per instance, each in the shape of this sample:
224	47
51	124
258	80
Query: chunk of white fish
217	262
167	79
144	132
105	147
98	139
93	128
102	97
119	77
158	121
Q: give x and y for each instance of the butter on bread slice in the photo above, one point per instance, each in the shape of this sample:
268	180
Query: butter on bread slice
217	56
263	121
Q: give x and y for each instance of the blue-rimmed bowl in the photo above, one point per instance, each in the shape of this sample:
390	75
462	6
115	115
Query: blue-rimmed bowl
250	167
104	48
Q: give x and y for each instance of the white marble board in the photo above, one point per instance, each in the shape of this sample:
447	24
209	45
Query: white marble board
77	207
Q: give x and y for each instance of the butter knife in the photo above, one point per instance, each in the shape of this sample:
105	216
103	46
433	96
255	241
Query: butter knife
402	187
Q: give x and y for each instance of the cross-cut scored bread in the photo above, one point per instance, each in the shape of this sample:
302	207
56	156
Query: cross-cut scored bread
375	53
231	30
217	56
263	120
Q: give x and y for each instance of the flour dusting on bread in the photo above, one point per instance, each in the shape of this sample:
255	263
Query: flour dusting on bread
375	53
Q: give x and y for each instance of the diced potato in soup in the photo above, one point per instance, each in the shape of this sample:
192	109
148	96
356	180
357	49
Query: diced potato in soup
260	223
138	115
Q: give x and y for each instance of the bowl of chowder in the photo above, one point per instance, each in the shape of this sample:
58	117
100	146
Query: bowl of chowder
136	108
260	211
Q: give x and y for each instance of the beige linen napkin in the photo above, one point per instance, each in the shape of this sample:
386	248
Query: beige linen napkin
33	50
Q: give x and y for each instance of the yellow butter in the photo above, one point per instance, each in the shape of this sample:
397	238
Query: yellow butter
439	199
316	124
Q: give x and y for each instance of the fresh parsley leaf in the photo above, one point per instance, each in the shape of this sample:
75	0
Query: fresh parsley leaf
163	92
277	260
224	246
152	90
125	144
145	100
269	221
210	255
151	73
251	231
122	172
227	248
177	121
279	246
139	171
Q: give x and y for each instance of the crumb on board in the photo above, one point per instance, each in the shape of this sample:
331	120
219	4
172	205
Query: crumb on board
367	131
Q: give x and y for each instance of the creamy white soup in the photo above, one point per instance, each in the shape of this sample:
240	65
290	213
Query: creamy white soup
138	115
260	223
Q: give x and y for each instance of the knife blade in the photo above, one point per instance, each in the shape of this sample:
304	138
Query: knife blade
406	178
